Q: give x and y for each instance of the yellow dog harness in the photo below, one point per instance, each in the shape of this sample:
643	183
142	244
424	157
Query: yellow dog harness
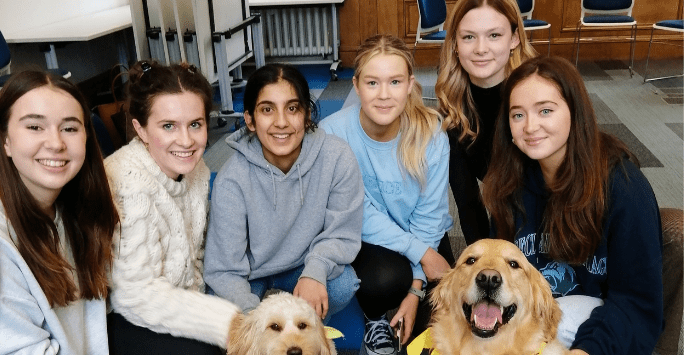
424	341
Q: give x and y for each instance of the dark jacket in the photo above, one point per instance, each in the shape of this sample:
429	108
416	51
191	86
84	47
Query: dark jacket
625	270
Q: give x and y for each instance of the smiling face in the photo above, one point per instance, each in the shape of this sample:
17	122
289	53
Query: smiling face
176	132
494	302
383	86
46	140
278	121
484	41
540	122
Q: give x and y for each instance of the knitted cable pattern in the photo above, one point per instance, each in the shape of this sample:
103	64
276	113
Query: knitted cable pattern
156	276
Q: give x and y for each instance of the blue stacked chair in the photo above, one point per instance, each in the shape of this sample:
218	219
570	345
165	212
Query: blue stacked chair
530	24
666	25
608	15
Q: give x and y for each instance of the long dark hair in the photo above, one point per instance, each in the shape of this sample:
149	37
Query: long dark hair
85	204
273	73
575	210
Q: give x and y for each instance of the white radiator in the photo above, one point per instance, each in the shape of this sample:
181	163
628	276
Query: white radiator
298	31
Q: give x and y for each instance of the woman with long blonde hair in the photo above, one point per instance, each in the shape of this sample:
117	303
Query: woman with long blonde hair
403	155
485	42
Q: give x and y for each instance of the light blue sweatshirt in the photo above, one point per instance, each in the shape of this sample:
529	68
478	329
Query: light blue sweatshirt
263	222
28	325
397	214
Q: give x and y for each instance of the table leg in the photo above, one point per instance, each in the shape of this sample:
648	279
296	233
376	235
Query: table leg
50	56
258	44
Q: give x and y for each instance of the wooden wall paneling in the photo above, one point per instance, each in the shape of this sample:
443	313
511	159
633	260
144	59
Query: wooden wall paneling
368	19
349	30
410	18
389	15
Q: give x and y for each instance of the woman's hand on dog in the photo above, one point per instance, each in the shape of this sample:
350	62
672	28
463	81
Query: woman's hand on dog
314	293
578	352
407	310
434	265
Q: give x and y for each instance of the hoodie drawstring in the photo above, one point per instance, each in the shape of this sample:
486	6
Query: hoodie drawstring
301	187
274	187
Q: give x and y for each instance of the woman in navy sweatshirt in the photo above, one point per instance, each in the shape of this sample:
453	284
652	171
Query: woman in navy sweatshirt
574	201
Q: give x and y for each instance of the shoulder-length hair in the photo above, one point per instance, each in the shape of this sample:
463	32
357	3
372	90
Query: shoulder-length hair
453	83
418	122
85	204
579	192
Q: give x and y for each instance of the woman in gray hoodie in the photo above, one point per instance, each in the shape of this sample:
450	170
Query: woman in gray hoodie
286	209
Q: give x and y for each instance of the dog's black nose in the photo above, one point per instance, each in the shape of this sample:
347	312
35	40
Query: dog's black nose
295	350
488	280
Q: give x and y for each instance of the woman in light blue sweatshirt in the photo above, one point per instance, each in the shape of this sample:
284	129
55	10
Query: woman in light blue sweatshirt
286	208
404	159
56	221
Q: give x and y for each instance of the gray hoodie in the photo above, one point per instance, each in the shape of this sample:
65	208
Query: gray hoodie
263	222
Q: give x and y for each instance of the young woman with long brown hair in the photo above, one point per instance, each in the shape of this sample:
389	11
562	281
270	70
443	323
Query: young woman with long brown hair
56	220
574	201
485	42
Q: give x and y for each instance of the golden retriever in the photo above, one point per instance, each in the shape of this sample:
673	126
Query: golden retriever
494	302
282	324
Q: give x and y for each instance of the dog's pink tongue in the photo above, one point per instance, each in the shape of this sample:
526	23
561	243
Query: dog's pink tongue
486	315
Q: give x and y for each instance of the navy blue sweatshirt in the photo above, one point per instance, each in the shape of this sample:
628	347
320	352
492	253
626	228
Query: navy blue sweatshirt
625	270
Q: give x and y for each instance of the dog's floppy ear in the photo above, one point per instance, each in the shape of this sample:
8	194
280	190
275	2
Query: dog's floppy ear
327	345
545	306
242	335
439	297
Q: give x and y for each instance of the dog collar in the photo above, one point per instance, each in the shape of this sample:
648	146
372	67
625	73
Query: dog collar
541	348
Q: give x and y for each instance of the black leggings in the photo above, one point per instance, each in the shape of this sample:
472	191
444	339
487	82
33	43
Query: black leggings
463	178
386	277
129	339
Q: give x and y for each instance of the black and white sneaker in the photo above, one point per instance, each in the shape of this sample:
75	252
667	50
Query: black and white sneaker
378	338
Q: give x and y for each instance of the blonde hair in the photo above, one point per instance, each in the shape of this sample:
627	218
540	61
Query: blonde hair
418	122
453	84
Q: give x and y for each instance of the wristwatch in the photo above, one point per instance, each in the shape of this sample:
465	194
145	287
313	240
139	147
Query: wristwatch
417	292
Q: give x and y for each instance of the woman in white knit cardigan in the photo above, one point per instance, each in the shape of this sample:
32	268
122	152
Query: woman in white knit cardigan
160	186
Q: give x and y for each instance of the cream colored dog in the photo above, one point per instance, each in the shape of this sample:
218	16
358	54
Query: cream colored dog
494	302
282	324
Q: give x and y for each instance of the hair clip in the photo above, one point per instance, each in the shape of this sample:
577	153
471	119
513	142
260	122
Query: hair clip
145	67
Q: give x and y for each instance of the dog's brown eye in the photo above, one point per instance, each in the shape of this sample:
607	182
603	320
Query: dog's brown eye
302	326
514	264
275	327
470	261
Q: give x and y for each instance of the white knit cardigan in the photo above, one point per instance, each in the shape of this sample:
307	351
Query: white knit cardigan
156	277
